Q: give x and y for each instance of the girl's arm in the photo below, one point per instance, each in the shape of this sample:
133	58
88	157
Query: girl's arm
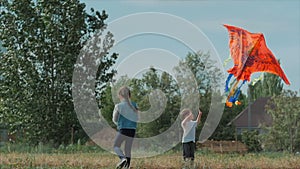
115	115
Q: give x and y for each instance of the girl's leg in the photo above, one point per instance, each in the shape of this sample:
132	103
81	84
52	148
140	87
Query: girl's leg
117	144
128	145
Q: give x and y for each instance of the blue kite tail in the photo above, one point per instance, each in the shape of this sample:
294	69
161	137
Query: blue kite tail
237	92
227	82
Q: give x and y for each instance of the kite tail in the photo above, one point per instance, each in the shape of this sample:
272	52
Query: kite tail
237	93
230	98
227	82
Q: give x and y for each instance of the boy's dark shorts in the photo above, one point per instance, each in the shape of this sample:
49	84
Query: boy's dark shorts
189	150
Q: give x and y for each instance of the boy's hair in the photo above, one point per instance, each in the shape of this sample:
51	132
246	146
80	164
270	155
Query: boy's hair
184	113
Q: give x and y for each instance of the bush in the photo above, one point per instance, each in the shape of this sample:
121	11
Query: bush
251	139
25	148
47	148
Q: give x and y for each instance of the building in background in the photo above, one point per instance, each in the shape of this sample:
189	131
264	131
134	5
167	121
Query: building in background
258	117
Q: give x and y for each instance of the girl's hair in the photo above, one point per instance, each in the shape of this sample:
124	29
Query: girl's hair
125	93
184	113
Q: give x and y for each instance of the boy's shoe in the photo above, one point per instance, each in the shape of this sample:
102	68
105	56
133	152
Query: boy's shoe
185	164
121	163
192	164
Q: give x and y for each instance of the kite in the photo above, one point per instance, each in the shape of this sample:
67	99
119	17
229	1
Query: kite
250	54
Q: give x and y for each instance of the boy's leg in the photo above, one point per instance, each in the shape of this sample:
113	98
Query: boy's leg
192	154
186	154
185	151
192	150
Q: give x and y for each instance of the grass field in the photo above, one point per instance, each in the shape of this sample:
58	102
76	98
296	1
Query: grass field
167	161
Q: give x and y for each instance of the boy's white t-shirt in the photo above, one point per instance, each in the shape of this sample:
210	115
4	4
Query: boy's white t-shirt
189	131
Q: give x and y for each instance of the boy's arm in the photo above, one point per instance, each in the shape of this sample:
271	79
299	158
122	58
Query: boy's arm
186	119
199	117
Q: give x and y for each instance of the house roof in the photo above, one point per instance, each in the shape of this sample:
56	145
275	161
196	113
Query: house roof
258	115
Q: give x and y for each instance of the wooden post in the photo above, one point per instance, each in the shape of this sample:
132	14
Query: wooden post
236	143
72	135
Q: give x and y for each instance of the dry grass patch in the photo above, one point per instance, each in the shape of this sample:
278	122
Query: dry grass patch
168	161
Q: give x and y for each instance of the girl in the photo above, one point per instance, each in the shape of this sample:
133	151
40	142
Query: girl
125	116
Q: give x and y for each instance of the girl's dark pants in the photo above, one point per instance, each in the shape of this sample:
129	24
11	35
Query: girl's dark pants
126	135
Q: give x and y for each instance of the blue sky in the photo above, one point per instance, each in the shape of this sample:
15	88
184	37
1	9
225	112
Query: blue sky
279	21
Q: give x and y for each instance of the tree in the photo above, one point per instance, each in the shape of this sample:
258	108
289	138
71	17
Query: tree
107	105
152	101
270	85
285	112
42	40
206	73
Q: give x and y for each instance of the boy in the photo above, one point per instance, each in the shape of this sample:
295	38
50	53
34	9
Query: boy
189	132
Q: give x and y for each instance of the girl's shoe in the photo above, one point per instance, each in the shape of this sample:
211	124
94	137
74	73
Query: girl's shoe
121	163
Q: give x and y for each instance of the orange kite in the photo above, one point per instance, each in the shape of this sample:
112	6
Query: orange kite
250	54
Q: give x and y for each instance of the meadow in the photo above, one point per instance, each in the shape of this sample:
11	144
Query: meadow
170	160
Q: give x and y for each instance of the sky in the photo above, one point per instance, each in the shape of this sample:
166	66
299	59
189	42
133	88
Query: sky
279	21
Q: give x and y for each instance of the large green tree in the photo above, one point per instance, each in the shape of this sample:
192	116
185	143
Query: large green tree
284	133
42	40
270	85
150	100
207	76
